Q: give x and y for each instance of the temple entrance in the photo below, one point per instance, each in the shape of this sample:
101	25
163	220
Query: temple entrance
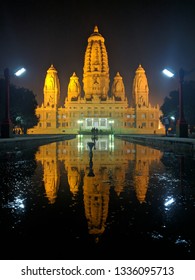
102	125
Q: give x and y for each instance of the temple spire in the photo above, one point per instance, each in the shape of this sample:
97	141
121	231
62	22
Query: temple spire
96	29
96	70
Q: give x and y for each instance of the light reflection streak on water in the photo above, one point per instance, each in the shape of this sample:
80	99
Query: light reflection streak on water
168	201
17	204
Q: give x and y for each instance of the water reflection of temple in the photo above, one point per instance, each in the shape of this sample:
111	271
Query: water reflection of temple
110	166
47	155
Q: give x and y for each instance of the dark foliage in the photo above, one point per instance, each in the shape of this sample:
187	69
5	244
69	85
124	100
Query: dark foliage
22	106
170	106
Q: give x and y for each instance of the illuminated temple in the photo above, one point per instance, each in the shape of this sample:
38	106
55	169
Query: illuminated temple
96	103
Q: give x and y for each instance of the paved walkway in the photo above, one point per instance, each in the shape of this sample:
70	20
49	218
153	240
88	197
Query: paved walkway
29	141
190	139
170	143
17	138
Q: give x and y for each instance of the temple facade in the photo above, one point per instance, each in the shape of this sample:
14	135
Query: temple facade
96	103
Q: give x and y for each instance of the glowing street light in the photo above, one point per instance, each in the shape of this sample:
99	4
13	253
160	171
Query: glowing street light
6	125
181	125
168	73
20	72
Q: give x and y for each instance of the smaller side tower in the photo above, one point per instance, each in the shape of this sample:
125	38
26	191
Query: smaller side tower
51	88
74	88
140	88
118	88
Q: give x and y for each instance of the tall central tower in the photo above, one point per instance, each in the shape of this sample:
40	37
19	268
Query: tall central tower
96	70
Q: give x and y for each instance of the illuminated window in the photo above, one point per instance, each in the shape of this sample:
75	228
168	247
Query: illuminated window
89	122
102	122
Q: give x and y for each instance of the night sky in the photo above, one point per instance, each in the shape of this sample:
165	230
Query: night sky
155	34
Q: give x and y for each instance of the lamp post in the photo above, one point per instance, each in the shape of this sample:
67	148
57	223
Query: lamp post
111	122
181	125
6	125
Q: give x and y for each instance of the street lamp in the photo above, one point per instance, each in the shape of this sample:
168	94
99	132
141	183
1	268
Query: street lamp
181	125
6	125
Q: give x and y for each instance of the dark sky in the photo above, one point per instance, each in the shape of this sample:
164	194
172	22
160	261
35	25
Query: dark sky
153	33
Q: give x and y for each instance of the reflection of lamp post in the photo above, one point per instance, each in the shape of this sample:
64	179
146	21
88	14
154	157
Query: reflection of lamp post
91	173
80	122
111	122
181	125
6	126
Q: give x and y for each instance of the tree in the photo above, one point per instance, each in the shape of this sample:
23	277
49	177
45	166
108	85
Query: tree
170	106
22	106
189	102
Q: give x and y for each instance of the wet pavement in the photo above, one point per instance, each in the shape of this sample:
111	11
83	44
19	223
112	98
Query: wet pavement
119	200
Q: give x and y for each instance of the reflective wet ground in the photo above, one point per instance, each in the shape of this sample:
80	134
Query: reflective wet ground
101	198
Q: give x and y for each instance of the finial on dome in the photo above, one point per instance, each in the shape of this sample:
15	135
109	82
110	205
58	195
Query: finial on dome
96	29
51	67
